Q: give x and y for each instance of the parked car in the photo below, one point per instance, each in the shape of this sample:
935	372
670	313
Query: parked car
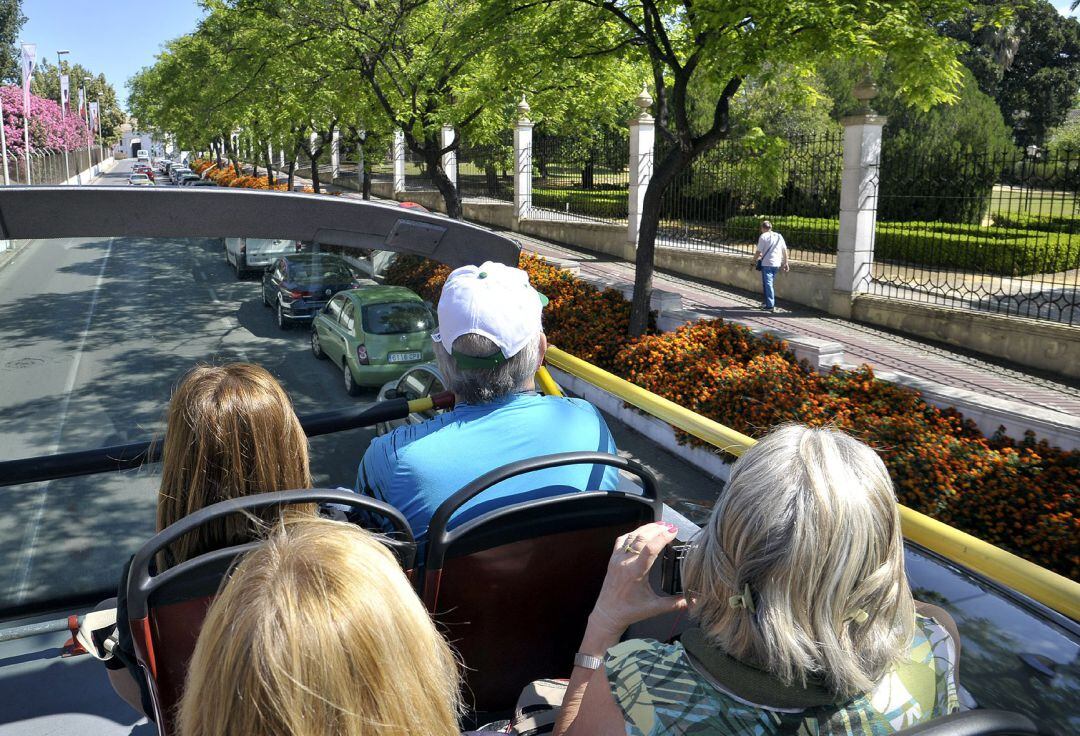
143	169
374	333
250	254
299	285
140	180
188	178
177	172
201	183
416	383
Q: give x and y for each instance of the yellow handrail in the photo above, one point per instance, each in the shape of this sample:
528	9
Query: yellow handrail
1036	582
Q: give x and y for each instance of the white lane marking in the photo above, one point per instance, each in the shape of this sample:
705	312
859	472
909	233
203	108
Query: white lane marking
30	542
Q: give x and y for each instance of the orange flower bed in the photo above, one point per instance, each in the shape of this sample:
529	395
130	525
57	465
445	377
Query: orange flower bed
1019	495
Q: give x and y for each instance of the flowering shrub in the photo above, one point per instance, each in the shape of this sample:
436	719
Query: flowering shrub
1019	495
225	176
48	127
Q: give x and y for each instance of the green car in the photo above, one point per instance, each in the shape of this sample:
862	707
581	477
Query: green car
374	333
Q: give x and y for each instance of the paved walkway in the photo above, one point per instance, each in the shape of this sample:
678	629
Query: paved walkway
862	344
876	347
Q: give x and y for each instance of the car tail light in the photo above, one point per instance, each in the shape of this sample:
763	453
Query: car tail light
361	355
243	249
299	246
297	294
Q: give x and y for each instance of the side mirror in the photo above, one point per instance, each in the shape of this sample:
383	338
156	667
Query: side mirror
392	393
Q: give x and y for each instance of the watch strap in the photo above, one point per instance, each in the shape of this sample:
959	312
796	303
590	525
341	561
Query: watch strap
588	661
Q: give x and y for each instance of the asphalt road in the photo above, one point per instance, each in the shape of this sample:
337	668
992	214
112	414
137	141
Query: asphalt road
94	333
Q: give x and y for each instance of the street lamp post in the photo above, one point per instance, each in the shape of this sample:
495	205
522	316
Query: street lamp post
63	108
86	107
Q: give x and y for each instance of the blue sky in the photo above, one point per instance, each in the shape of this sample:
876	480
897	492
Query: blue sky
112	37
119	37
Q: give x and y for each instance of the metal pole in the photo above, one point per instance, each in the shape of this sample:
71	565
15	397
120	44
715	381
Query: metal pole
63	111
26	140
3	144
86	112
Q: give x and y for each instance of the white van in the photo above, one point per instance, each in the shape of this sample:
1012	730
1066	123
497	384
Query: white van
143	155
255	254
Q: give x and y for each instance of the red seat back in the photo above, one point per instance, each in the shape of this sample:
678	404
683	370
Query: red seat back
515	591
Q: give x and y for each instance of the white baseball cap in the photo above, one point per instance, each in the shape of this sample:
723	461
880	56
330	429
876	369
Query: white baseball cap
492	300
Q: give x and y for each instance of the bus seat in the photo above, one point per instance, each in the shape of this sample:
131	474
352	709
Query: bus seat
166	610
513	588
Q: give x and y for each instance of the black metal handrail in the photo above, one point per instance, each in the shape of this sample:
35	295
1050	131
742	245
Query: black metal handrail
136	454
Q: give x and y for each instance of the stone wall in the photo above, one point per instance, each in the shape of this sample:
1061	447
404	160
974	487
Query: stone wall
1043	345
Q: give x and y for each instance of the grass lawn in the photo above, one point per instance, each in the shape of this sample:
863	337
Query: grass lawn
1035	202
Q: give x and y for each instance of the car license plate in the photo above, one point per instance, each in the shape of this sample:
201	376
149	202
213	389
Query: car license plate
402	357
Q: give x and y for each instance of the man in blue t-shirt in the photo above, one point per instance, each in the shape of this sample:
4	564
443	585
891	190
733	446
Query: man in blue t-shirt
489	345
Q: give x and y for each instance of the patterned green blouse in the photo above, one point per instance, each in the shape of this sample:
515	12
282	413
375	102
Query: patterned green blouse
662	689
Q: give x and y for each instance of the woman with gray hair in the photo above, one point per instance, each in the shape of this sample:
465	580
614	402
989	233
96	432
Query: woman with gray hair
803	620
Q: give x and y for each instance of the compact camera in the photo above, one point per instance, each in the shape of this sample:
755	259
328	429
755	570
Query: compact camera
671	560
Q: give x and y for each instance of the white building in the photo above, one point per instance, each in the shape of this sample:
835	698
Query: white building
132	140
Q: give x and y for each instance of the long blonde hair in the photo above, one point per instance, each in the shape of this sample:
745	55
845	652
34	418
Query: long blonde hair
231	432
809	522
318	633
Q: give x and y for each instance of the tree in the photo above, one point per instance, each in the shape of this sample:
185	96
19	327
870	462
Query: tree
46	84
11	21
429	63
1029	62
702	51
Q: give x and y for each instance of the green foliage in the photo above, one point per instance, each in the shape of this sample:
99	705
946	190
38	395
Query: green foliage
1028	61
46	83
11	21
1004	249
941	164
1046	223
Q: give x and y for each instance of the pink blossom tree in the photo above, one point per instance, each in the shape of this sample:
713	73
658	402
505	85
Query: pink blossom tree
48	129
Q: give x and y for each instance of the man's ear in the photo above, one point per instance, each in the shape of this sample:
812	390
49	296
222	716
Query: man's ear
543	349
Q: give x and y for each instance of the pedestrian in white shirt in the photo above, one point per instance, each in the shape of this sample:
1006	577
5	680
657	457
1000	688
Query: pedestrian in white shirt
770	257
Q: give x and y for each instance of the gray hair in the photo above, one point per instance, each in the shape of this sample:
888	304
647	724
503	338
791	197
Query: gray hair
484	385
766	225
809	521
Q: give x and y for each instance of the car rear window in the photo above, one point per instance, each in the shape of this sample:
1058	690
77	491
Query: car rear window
328	273
396	318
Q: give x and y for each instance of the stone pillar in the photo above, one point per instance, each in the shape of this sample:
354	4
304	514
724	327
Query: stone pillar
449	159
523	134
858	203
335	154
399	161
642	139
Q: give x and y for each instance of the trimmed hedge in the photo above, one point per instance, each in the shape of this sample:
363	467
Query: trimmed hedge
1047	223
1019	495
996	250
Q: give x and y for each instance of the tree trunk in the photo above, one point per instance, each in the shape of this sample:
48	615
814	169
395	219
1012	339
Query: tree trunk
588	174
663	175
492	178
269	166
314	156
292	172
366	188
449	192
255	167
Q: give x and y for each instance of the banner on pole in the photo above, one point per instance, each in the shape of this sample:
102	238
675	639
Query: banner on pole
93	116
82	101
65	94
29	63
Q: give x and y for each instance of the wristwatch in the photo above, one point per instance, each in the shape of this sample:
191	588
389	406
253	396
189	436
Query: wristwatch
588	661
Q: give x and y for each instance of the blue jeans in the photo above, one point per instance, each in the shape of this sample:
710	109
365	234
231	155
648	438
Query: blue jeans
768	275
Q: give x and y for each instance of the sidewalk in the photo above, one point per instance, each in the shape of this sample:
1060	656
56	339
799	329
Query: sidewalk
884	351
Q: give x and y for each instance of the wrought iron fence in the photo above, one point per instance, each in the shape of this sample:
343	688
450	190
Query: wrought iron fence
487	171
992	231
719	202
582	178
416	173
48	166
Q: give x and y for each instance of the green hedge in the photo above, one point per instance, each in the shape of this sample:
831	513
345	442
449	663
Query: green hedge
997	250
1046	223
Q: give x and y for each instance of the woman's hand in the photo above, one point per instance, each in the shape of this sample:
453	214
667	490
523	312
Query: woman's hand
626	596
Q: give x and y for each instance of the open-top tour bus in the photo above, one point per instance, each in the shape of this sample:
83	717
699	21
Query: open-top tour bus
108	294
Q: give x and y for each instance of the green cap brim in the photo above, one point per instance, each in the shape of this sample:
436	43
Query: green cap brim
469	362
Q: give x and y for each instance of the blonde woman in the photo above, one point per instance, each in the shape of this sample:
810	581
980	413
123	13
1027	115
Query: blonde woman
803	618
230	432
318	632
